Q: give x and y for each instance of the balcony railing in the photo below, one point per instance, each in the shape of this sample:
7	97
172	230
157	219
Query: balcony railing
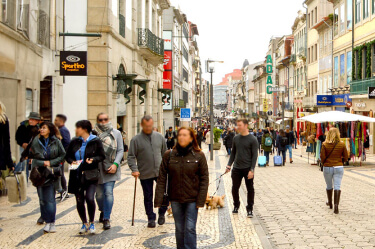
147	39
361	86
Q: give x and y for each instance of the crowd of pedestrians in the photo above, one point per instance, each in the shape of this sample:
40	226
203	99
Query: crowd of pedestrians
174	161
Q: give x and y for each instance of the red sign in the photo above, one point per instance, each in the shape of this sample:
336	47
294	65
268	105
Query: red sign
167	80
167	60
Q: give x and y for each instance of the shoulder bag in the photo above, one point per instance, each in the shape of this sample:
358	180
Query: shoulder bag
322	163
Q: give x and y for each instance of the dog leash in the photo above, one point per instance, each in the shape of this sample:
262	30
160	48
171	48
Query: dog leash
219	178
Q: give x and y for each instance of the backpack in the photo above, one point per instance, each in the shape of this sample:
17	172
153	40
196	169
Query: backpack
284	141
268	141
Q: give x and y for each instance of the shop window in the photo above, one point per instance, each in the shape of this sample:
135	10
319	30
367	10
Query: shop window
349	67
29	101
44	23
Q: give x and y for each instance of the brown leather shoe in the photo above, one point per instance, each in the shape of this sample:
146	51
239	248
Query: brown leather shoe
329	196
291	161
336	196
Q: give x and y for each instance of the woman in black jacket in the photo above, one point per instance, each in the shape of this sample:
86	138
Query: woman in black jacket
281	143
86	151
5	154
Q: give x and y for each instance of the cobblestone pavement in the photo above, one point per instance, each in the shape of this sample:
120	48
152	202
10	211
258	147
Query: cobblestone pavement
216	228
289	207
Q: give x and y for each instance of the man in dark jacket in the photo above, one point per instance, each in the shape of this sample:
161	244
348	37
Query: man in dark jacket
27	130
200	137
274	136
65	134
259	138
229	141
170	135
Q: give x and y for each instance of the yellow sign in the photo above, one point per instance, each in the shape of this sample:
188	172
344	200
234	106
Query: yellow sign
265	105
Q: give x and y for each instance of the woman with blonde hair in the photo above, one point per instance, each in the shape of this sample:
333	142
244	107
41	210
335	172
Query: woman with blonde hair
5	153
332	156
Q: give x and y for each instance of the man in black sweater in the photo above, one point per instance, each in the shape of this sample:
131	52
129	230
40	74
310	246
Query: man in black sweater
244	155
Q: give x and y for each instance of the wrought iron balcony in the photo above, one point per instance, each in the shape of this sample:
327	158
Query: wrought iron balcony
361	86
151	46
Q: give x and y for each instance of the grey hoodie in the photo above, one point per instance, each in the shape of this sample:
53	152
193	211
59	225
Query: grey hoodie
145	154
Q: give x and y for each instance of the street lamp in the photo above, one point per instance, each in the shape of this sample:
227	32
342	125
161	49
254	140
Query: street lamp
210	68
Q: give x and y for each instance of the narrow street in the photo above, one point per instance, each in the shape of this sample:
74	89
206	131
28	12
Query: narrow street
289	208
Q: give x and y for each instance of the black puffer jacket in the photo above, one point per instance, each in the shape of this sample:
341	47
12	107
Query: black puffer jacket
229	139
25	132
188	178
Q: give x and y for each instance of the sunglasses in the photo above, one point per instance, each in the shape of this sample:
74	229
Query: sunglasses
103	119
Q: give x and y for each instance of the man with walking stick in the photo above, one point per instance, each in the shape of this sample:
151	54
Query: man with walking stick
144	158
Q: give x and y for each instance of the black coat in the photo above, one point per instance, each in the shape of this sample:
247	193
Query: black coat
25	132
5	154
229	139
94	150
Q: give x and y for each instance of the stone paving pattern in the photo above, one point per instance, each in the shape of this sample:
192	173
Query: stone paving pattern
289	207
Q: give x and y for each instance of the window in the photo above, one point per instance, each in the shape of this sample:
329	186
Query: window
329	82
365	9
320	90
342	70
335	21
185	75
308	21
358	11
349	13
325	85
342	18
23	16
316	52
373	6
121	17
325	41
185	53
349	67
309	57
8	10
184	30
321	47
336	71
316	14
43	23
29	101
312	18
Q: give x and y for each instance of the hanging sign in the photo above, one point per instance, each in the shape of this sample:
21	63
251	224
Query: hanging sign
73	63
269	71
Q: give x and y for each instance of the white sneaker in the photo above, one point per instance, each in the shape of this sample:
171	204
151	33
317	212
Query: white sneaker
83	229
92	228
47	228
52	228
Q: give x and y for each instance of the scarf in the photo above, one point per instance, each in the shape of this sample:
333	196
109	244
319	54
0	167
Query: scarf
44	143
105	133
183	151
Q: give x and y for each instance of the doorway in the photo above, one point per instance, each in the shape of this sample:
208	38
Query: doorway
46	98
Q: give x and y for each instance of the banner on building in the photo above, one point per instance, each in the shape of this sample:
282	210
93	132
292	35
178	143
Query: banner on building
167	101
168	60
333	100
73	63
265	105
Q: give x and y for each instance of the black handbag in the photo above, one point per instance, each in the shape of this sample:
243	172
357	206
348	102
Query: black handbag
322	163
165	202
91	174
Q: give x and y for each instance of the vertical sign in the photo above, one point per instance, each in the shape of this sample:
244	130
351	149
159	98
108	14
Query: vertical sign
269	71
168	68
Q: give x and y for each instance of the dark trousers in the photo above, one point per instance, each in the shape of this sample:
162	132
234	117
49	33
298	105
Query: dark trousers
63	180
185	218
237	175
148	196
87	194
283	152
170	145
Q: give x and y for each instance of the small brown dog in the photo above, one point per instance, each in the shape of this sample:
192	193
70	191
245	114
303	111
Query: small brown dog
215	201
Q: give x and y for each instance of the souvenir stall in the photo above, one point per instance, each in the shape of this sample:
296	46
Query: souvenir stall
352	129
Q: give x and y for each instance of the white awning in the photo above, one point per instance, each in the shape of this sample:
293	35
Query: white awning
336	116
281	120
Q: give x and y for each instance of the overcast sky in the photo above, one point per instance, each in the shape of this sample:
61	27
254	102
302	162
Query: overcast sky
236	30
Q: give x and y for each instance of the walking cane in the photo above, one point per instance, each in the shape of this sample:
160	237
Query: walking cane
135	192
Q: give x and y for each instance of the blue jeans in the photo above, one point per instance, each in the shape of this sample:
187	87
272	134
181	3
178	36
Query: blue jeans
334	175
229	151
148	196
104	198
185	217
209	147
295	143
47	203
267	154
290	148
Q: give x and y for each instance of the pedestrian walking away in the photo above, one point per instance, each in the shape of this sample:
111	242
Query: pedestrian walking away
244	156
259	138
5	152
267	145
25	133
332	155
170	136
200	137
289	146
274	136
110	170
85	152
46	154
184	175
144	159
60	121
229	141
295	138
281	143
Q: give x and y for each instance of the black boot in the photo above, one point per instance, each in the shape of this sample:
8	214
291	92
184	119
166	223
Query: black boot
336	197
101	219
106	224
329	196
